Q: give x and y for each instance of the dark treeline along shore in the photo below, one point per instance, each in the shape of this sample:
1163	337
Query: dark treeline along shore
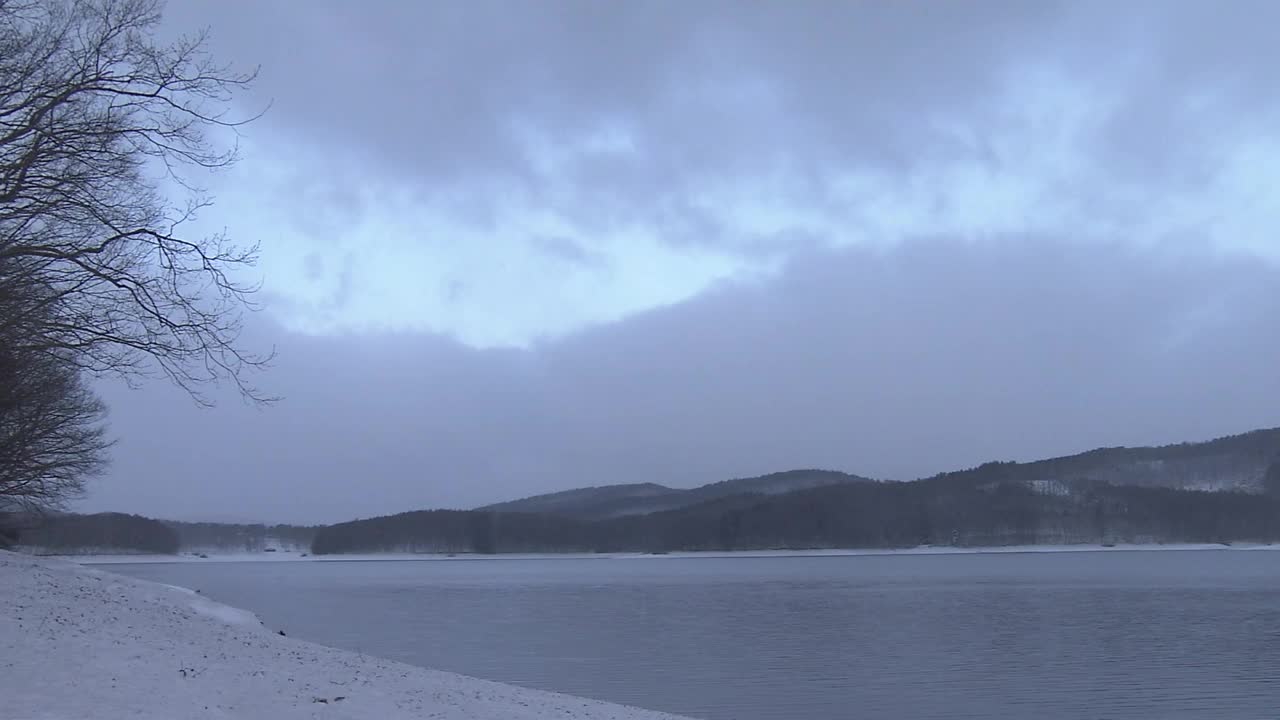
1222	491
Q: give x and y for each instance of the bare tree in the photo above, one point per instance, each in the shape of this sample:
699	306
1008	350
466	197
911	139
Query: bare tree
52	435
102	130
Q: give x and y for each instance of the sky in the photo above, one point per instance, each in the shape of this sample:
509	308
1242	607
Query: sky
511	248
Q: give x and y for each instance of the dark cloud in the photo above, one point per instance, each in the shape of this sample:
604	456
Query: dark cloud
442	93
894	363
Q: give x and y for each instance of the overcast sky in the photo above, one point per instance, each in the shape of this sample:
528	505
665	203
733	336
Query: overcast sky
511	248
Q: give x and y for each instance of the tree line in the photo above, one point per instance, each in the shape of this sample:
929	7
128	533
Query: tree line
101	532
991	505
980	509
71	533
104	133
241	537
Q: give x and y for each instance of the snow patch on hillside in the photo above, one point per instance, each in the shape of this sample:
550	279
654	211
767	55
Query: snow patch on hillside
1055	488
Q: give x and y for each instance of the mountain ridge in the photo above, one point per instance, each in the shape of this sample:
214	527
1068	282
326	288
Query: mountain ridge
613	501
1233	462
1219	491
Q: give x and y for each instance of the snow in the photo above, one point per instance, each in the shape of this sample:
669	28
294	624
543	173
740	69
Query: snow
77	643
211	556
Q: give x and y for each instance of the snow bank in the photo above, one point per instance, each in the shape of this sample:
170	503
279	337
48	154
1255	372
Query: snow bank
81	643
118	558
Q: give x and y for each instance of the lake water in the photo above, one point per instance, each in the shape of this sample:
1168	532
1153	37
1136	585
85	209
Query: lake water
1099	635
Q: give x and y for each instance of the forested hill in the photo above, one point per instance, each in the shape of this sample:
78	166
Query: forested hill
610	501
100	532
1237	462
852	515
1225	490
241	537
71	533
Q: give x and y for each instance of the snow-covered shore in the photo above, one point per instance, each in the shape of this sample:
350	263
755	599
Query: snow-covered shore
81	643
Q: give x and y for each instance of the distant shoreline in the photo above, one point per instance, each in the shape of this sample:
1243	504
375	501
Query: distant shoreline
282	556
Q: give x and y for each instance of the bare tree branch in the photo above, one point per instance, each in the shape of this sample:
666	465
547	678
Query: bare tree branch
90	108
52	435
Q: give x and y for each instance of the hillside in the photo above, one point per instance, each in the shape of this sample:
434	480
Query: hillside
1236	463
240	537
73	533
592	501
1224	490
612	501
100	532
848	515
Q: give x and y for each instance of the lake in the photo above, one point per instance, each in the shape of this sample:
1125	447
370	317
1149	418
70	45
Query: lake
1101	635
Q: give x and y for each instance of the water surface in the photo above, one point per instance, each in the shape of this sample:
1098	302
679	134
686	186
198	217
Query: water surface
1105	635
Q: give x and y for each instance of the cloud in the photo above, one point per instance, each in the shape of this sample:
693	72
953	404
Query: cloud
678	146
566	249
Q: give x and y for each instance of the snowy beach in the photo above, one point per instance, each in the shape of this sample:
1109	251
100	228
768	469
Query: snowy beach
81	643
